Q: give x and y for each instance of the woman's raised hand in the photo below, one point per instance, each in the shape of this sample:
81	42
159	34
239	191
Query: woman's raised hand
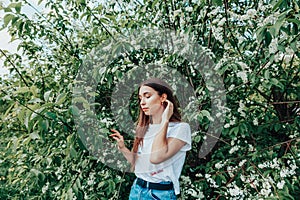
168	112
118	137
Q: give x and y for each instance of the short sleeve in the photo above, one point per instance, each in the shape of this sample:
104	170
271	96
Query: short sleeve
182	131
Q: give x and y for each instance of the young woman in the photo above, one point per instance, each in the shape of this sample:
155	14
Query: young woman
160	143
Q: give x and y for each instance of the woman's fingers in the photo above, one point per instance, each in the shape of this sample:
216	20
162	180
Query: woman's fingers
169	109
116	135
170	104
114	130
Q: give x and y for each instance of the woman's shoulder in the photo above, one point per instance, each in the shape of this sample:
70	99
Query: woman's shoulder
180	130
179	124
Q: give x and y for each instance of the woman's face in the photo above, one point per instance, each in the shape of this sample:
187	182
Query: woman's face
150	101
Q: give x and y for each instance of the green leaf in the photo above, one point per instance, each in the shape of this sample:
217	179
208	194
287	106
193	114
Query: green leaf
7	9
81	2
260	34
83	101
47	95
61	98
281	48
40	176
293	45
22	90
40	110
276	27
205	113
44	125
7	111
18	7
197	139
268	38
34	135
7	19
35	100
217	2
267	74
293	20
75	110
51	115
73	152
75	189
274	81
154	4
102	71
277	5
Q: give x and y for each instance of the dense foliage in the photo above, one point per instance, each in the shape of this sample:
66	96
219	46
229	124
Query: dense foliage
255	45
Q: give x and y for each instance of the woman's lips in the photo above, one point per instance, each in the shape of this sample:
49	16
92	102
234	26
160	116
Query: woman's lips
144	109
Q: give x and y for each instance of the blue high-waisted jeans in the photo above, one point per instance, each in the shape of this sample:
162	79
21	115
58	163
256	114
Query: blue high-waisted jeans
139	193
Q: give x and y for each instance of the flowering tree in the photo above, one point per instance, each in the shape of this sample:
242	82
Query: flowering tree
254	45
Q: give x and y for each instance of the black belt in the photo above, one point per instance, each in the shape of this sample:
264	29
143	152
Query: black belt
155	186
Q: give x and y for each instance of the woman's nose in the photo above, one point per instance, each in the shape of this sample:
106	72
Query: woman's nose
142	102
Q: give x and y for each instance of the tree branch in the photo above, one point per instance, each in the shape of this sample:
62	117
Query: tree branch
15	68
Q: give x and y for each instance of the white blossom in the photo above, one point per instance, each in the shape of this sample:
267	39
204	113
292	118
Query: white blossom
265	192
262	165
280	184
255	122
243	65
231	87
235	191
45	188
287	59
273	46
234	149
227	46
189	9
214	12
278	57
241	39
207	176
242	162
251	13
242	177
251	148
286	172
274	164
243	76
222	22
241	109
219	165
186	179
218	33
227	125
232	121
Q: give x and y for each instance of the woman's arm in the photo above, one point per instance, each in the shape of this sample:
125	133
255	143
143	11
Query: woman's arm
121	146
164	148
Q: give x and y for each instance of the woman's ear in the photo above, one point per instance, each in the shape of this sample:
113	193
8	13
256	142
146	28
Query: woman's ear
164	97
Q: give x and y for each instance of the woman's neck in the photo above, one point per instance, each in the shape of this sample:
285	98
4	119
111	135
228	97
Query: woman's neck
156	118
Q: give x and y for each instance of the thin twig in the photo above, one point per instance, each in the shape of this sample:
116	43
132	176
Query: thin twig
15	68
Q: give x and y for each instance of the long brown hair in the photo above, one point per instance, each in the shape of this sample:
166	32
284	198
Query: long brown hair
144	120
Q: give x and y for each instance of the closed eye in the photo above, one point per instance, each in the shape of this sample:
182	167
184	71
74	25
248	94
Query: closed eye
146	94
